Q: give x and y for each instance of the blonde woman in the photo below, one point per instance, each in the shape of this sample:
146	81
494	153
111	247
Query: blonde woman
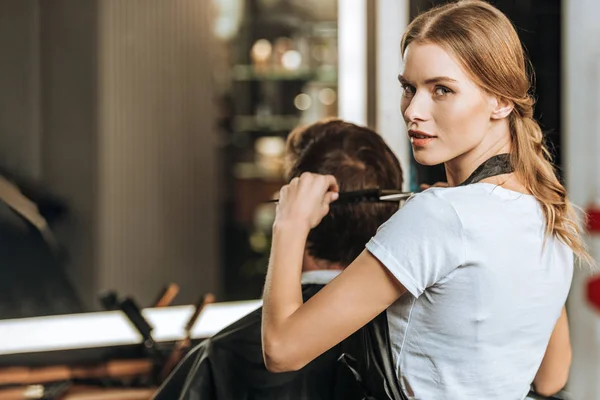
474	276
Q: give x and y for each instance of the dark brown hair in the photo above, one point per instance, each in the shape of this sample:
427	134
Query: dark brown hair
359	159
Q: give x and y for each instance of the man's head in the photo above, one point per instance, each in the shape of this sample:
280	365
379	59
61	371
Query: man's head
359	159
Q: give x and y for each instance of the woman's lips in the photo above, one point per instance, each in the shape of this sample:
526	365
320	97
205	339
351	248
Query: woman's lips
420	139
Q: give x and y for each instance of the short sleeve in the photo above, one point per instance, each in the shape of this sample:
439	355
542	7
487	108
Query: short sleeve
422	242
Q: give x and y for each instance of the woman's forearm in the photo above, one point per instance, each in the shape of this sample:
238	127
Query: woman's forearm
553	373
302	205
283	291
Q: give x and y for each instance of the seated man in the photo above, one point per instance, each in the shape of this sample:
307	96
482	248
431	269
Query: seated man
230	364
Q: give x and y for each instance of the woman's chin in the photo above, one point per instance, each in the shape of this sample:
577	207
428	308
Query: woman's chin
428	160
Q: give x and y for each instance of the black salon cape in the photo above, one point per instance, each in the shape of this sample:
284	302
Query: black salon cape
230	366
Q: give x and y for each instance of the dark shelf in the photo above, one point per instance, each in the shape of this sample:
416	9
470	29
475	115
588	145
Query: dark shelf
273	123
326	75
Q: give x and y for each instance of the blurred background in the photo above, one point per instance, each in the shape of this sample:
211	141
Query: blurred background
149	134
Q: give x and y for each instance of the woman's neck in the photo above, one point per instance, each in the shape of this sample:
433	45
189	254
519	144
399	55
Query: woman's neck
461	167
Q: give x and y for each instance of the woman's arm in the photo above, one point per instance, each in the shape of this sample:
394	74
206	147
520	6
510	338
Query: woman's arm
553	373
295	333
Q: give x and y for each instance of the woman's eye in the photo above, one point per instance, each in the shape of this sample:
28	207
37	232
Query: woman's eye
442	90
408	90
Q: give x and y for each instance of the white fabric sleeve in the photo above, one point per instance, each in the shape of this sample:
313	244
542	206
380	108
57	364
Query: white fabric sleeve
422	242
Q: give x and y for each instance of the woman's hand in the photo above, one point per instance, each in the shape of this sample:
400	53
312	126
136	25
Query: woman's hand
305	200
425	186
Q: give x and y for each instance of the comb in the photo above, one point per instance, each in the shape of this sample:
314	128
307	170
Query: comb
374	195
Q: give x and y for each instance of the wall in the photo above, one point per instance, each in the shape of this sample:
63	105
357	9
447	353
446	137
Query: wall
157	158
19	87
68	55
392	19
581	139
369	63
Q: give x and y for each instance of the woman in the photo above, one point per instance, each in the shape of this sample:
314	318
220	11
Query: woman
474	277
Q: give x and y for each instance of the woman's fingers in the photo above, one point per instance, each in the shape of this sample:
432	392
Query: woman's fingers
332	183
425	186
330	197
307	198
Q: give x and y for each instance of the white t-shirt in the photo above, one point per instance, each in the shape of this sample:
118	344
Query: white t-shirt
484	291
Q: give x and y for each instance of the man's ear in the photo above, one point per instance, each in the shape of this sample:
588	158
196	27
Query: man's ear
502	108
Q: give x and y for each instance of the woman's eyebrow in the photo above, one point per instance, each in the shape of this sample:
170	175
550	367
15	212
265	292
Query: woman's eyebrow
438	79
428	81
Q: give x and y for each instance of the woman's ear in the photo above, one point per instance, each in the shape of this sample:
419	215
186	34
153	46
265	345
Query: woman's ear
502	108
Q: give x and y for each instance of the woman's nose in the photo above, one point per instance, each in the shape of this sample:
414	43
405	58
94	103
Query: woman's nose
416	109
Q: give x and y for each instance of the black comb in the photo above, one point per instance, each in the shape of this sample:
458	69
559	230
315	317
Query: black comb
374	195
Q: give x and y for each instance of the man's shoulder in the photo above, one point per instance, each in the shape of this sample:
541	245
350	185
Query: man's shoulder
248	328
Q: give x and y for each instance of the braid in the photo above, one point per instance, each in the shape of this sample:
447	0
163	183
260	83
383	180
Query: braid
532	163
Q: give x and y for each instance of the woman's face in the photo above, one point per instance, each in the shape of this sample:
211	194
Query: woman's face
446	113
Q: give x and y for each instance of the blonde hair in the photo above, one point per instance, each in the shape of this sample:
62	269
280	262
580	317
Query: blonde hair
485	43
